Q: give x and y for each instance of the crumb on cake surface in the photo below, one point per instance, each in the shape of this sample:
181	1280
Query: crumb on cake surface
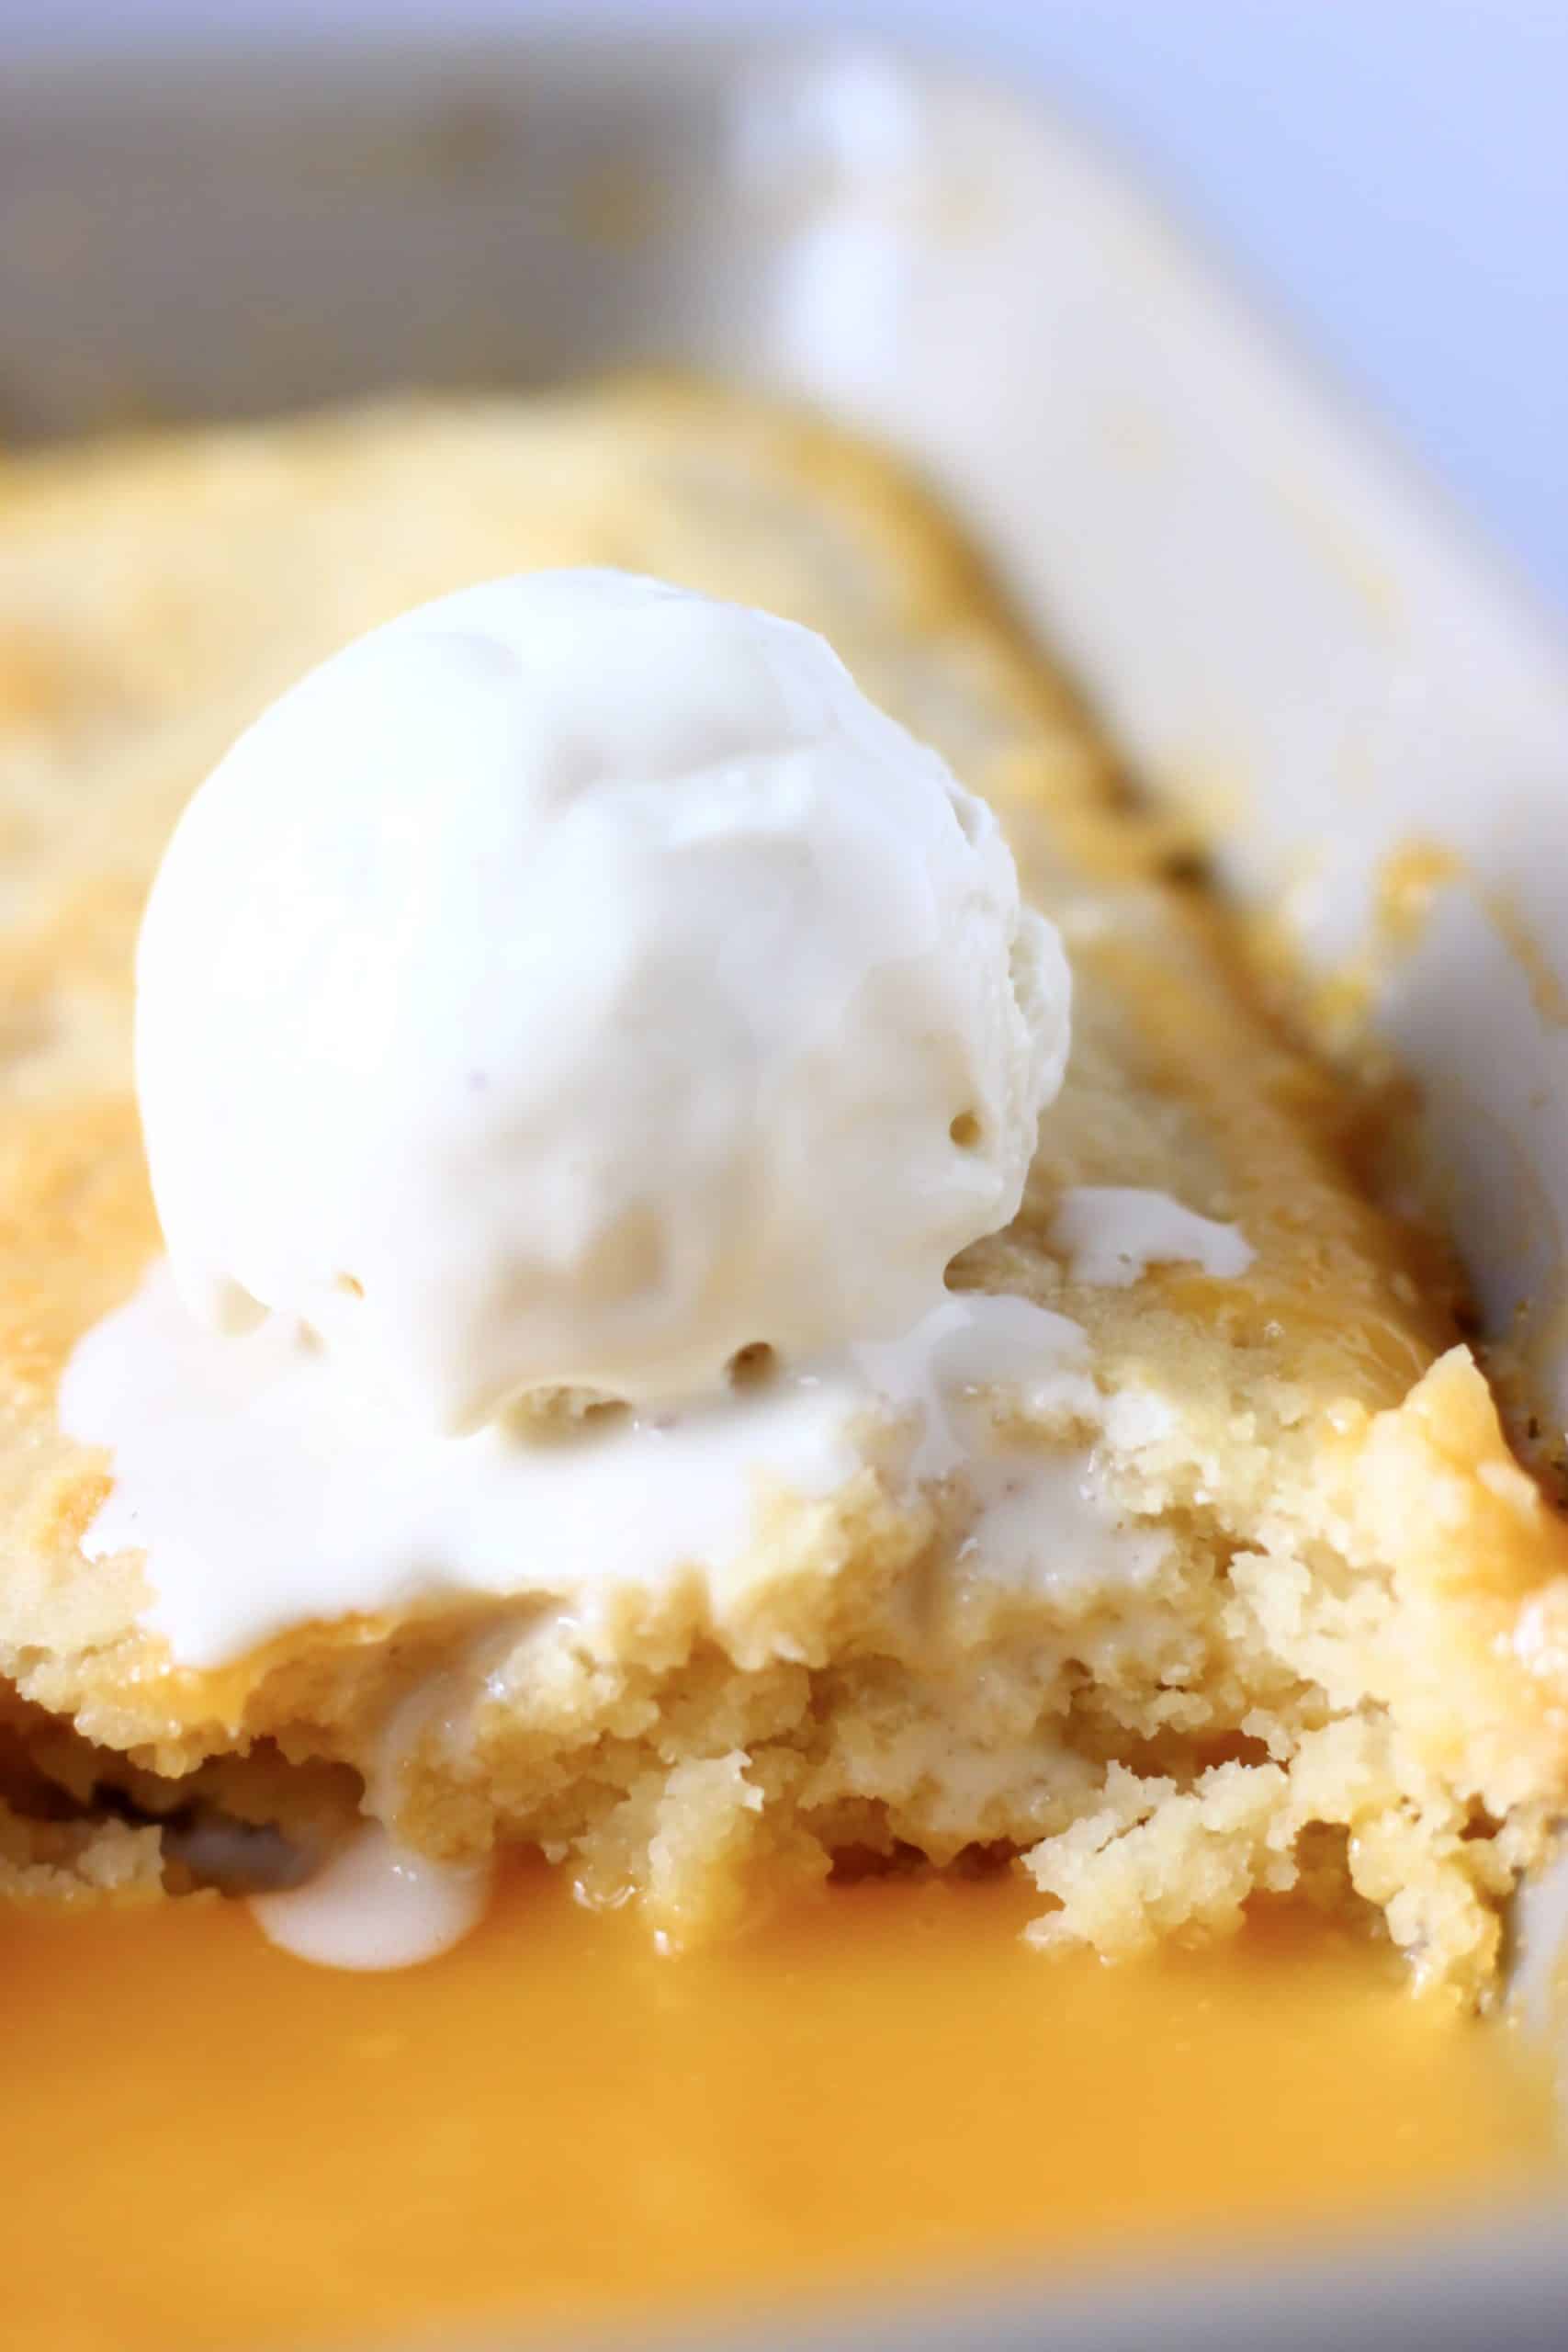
1351	1665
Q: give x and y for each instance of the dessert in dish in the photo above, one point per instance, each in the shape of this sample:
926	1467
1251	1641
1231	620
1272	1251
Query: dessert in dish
1129	1510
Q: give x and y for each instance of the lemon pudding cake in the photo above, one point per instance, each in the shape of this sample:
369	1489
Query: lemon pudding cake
686	1342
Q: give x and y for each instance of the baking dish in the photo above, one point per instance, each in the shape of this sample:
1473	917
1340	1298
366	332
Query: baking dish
1284	633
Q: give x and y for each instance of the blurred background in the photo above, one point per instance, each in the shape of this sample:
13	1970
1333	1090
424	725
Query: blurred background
1391	176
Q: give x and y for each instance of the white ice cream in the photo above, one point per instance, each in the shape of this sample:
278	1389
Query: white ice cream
569	986
374	1905
267	1491
577	981
1111	1234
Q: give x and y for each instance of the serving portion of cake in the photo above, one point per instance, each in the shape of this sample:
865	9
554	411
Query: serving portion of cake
1173	1549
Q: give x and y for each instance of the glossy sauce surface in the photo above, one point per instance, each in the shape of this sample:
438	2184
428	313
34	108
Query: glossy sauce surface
209	2143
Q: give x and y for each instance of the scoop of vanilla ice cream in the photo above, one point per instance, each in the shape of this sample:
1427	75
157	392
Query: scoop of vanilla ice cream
576	981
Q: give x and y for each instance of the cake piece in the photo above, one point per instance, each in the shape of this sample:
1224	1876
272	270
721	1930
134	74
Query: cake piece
1327	1646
